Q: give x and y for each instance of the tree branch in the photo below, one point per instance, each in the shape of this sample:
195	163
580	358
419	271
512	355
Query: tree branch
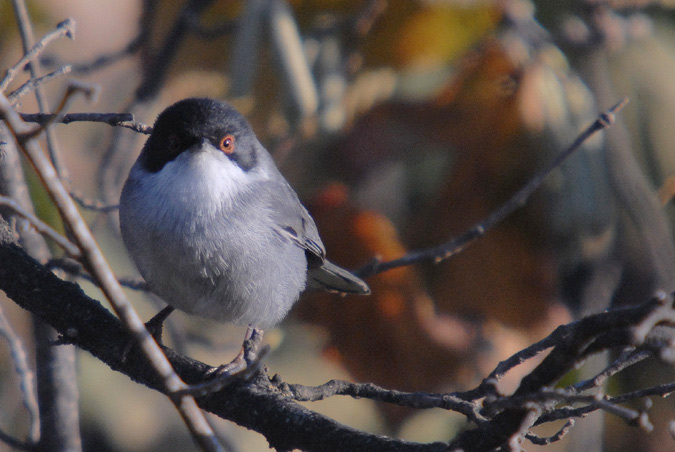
456	245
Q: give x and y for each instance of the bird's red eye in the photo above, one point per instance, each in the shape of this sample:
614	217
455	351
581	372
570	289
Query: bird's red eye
227	144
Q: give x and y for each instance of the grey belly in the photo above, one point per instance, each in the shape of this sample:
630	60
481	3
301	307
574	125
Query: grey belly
242	284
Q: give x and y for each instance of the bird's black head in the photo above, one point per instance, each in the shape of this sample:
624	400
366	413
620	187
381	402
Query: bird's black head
188	122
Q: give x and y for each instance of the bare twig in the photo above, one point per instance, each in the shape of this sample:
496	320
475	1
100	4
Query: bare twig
534	439
112	119
65	28
26	32
95	205
533	411
102	61
74	87
626	359
136	127
489	384
74	268
609	404
665	314
15	443
571	345
285	38
26	377
42	227
35	82
663	390
454	246
419	400
136	44
156	72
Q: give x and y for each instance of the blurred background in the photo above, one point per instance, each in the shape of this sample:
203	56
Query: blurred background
401	124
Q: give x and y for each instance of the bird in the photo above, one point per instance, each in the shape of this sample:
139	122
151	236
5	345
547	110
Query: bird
213	226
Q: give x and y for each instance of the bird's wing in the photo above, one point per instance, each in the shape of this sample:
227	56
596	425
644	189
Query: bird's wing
292	221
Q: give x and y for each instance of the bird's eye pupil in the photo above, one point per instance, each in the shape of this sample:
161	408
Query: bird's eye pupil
227	144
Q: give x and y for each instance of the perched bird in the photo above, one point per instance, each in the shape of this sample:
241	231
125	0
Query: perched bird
213	226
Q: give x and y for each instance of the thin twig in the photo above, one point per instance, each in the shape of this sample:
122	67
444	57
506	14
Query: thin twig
26	32
545	397
663	390
419	400
136	126
15	443
626	359
105	60
454	246
94	205
489	383
65	28
569	412
567	342
90	90
534	439
42	227
34	83
74	268
26	377
112	119
156	72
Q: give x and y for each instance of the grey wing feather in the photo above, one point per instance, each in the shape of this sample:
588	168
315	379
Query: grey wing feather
332	278
295	223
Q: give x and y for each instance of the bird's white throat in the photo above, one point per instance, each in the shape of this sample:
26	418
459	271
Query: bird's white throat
204	178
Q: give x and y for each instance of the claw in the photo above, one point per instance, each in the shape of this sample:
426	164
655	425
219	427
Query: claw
242	367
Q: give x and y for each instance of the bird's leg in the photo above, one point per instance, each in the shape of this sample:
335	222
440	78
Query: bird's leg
247	355
246	364
155	325
251	344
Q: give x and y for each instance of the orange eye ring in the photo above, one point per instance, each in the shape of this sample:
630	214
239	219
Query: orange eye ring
227	144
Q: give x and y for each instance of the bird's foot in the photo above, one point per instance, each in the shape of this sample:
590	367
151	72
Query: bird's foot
246	364
154	327
246	357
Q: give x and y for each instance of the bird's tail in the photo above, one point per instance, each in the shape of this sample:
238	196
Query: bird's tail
332	278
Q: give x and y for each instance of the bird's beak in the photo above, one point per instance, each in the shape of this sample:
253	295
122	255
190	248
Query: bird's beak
202	146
